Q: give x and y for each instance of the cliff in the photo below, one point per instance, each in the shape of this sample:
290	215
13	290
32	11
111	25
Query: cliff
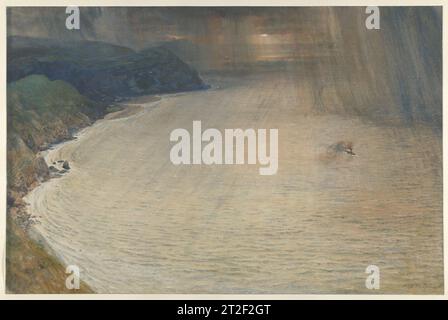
41	112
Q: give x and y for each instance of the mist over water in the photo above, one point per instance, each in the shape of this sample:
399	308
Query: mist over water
135	223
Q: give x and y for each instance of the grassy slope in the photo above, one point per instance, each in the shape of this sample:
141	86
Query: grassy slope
30	269
38	109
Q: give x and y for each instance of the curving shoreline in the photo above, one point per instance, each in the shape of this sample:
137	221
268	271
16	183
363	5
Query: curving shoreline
33	243
135	223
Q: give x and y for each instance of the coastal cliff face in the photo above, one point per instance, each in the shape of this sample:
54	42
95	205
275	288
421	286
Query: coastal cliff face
41	112
54	89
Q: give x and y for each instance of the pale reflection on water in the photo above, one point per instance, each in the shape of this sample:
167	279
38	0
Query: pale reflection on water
135	223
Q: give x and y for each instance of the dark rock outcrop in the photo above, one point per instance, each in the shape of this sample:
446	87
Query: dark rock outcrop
66	165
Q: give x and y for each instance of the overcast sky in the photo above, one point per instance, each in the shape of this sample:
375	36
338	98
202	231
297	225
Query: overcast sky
216	37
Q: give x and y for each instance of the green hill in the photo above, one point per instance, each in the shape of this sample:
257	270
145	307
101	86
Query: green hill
41	112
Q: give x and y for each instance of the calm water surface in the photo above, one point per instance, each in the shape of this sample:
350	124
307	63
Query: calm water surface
135	223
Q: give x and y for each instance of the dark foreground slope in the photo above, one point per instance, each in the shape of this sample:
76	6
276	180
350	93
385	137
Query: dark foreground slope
30	268
101	71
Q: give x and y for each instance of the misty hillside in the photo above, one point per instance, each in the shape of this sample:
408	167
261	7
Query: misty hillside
99	70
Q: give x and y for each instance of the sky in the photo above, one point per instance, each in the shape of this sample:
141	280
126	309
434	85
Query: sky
206	37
